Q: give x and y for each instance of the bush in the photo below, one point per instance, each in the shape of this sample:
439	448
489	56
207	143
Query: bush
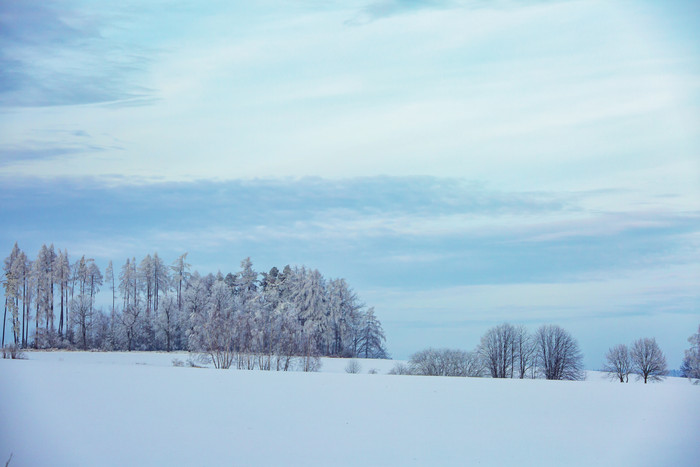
446	362
353	367
400	369
13	352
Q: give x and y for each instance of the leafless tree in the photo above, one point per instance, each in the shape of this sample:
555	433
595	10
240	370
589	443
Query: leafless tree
618	363
558	354
498	350
525	351
81	318
648	362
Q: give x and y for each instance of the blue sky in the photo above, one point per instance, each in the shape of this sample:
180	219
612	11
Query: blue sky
461	163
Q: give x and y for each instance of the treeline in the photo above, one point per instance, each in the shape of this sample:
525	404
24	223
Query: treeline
255	319
505	351
510	351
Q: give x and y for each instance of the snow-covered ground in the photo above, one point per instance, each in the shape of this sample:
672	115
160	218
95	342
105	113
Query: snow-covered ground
91	408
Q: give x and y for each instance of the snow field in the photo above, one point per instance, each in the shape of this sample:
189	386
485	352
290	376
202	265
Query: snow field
91	408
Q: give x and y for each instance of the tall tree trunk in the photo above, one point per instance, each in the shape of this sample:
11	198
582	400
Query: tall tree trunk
24	312
36	324
4	318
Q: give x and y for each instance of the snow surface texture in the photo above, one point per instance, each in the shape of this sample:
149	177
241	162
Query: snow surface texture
91	408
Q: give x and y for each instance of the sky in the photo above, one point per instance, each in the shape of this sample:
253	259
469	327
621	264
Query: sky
460	163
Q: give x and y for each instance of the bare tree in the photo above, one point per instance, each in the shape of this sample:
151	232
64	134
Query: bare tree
558	354
81	318
618	363
498	350
524	347
648	362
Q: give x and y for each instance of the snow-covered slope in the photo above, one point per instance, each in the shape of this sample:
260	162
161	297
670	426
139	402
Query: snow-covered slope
73	408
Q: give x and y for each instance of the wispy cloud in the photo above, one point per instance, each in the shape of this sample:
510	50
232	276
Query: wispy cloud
381	224
386	8
54	54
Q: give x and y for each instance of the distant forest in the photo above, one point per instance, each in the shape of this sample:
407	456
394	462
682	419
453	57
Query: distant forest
257	319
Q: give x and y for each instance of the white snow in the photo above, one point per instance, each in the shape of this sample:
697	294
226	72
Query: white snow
93	408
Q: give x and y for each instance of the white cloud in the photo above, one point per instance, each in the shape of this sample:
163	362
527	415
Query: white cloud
616	293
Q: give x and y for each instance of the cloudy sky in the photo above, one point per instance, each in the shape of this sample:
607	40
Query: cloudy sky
460	163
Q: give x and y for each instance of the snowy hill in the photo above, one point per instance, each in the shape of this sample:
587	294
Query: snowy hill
90	408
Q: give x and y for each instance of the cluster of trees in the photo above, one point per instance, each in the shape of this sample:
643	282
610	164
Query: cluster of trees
244	317
509	351
644	358
505	351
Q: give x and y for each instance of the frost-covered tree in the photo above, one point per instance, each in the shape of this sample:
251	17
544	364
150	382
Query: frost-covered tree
168	321
286	316
161	280
110	280
145	274
558	354
130	321
618	364
372	337
648	362
195	301
11	284
62	276
690	367
308	295
213	325
180	269
344	309
81	318
43	279
131	318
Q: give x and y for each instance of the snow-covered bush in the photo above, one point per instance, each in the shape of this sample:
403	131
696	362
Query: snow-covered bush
446	362
353	367
400	369
12	352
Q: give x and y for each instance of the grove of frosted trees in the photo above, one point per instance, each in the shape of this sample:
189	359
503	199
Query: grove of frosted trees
245	318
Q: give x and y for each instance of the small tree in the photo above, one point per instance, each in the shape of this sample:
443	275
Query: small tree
648	362
618	363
